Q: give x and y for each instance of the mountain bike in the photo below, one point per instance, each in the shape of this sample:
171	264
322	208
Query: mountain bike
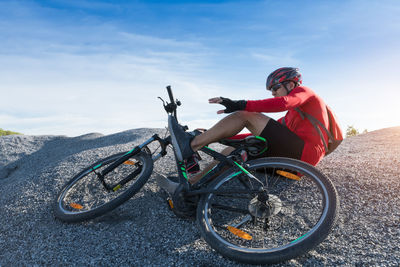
258	211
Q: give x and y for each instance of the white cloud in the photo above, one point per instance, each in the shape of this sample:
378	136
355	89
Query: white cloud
276	58
73	89
157	41
83	73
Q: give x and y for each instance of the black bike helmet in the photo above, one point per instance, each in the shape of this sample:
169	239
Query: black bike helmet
282	75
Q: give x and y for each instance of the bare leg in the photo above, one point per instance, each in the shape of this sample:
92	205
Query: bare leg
227	127
230	126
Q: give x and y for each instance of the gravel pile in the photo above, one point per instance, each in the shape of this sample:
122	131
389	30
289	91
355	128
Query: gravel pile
144	232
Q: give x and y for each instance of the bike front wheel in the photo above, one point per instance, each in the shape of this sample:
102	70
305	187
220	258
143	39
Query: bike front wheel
85	196
286	209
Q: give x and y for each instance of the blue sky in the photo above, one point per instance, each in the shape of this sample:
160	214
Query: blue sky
74	67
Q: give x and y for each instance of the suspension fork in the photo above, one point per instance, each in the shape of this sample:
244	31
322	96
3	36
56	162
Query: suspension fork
136	150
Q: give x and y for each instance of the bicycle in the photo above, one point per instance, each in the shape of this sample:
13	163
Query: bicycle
256	211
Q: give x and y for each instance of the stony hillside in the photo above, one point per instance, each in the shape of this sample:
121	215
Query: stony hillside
143	232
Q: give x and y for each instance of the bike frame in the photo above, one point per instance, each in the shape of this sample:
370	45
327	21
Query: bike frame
181	169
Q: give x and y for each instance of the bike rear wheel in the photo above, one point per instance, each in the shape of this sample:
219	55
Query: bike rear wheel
300	211
84	197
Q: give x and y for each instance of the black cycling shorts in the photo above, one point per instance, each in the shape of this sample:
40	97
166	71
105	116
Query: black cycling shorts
281	141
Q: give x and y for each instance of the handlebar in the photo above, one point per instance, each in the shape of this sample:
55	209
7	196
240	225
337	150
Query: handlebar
171	96
171	107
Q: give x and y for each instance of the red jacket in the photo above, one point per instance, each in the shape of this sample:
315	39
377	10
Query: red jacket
305	99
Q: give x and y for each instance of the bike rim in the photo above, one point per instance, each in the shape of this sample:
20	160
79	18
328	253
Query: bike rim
86	193
239	237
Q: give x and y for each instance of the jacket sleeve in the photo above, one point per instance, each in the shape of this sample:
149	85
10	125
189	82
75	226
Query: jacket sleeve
295	98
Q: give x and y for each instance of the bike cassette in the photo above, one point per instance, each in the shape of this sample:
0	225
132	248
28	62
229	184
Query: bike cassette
182	206
268	208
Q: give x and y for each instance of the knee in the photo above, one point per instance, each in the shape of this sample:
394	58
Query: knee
254	121
243	115
248	116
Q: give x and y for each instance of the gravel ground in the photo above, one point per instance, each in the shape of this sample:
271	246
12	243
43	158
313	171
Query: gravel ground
144	232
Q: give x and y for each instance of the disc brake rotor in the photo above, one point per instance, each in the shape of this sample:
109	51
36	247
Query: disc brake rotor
262	210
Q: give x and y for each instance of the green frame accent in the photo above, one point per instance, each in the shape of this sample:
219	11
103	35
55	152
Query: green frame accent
301	237
182	169
236	174
261	138
97	166
210	148
129	151
243	169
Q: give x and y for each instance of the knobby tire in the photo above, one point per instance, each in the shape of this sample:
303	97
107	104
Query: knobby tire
306	212
84	197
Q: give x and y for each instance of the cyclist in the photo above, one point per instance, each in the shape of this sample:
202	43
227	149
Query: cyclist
291	136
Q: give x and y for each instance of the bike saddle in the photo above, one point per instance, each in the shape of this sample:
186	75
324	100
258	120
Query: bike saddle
254	145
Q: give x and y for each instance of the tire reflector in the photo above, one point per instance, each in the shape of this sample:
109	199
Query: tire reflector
117	187
171	204
130	162
289	175
76	206
239	233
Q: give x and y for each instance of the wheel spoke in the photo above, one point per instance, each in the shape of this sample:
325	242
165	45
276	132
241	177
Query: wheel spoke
230	208
286	215
86	197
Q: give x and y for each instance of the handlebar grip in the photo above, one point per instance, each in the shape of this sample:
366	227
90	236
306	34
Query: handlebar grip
171	97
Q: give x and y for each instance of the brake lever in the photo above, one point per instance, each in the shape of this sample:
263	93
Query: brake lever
169	107
162	101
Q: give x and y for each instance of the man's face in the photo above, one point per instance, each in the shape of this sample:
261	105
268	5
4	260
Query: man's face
279	89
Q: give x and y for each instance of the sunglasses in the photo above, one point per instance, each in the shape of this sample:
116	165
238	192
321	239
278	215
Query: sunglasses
276	87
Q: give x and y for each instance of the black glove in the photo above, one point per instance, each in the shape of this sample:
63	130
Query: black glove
233	105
